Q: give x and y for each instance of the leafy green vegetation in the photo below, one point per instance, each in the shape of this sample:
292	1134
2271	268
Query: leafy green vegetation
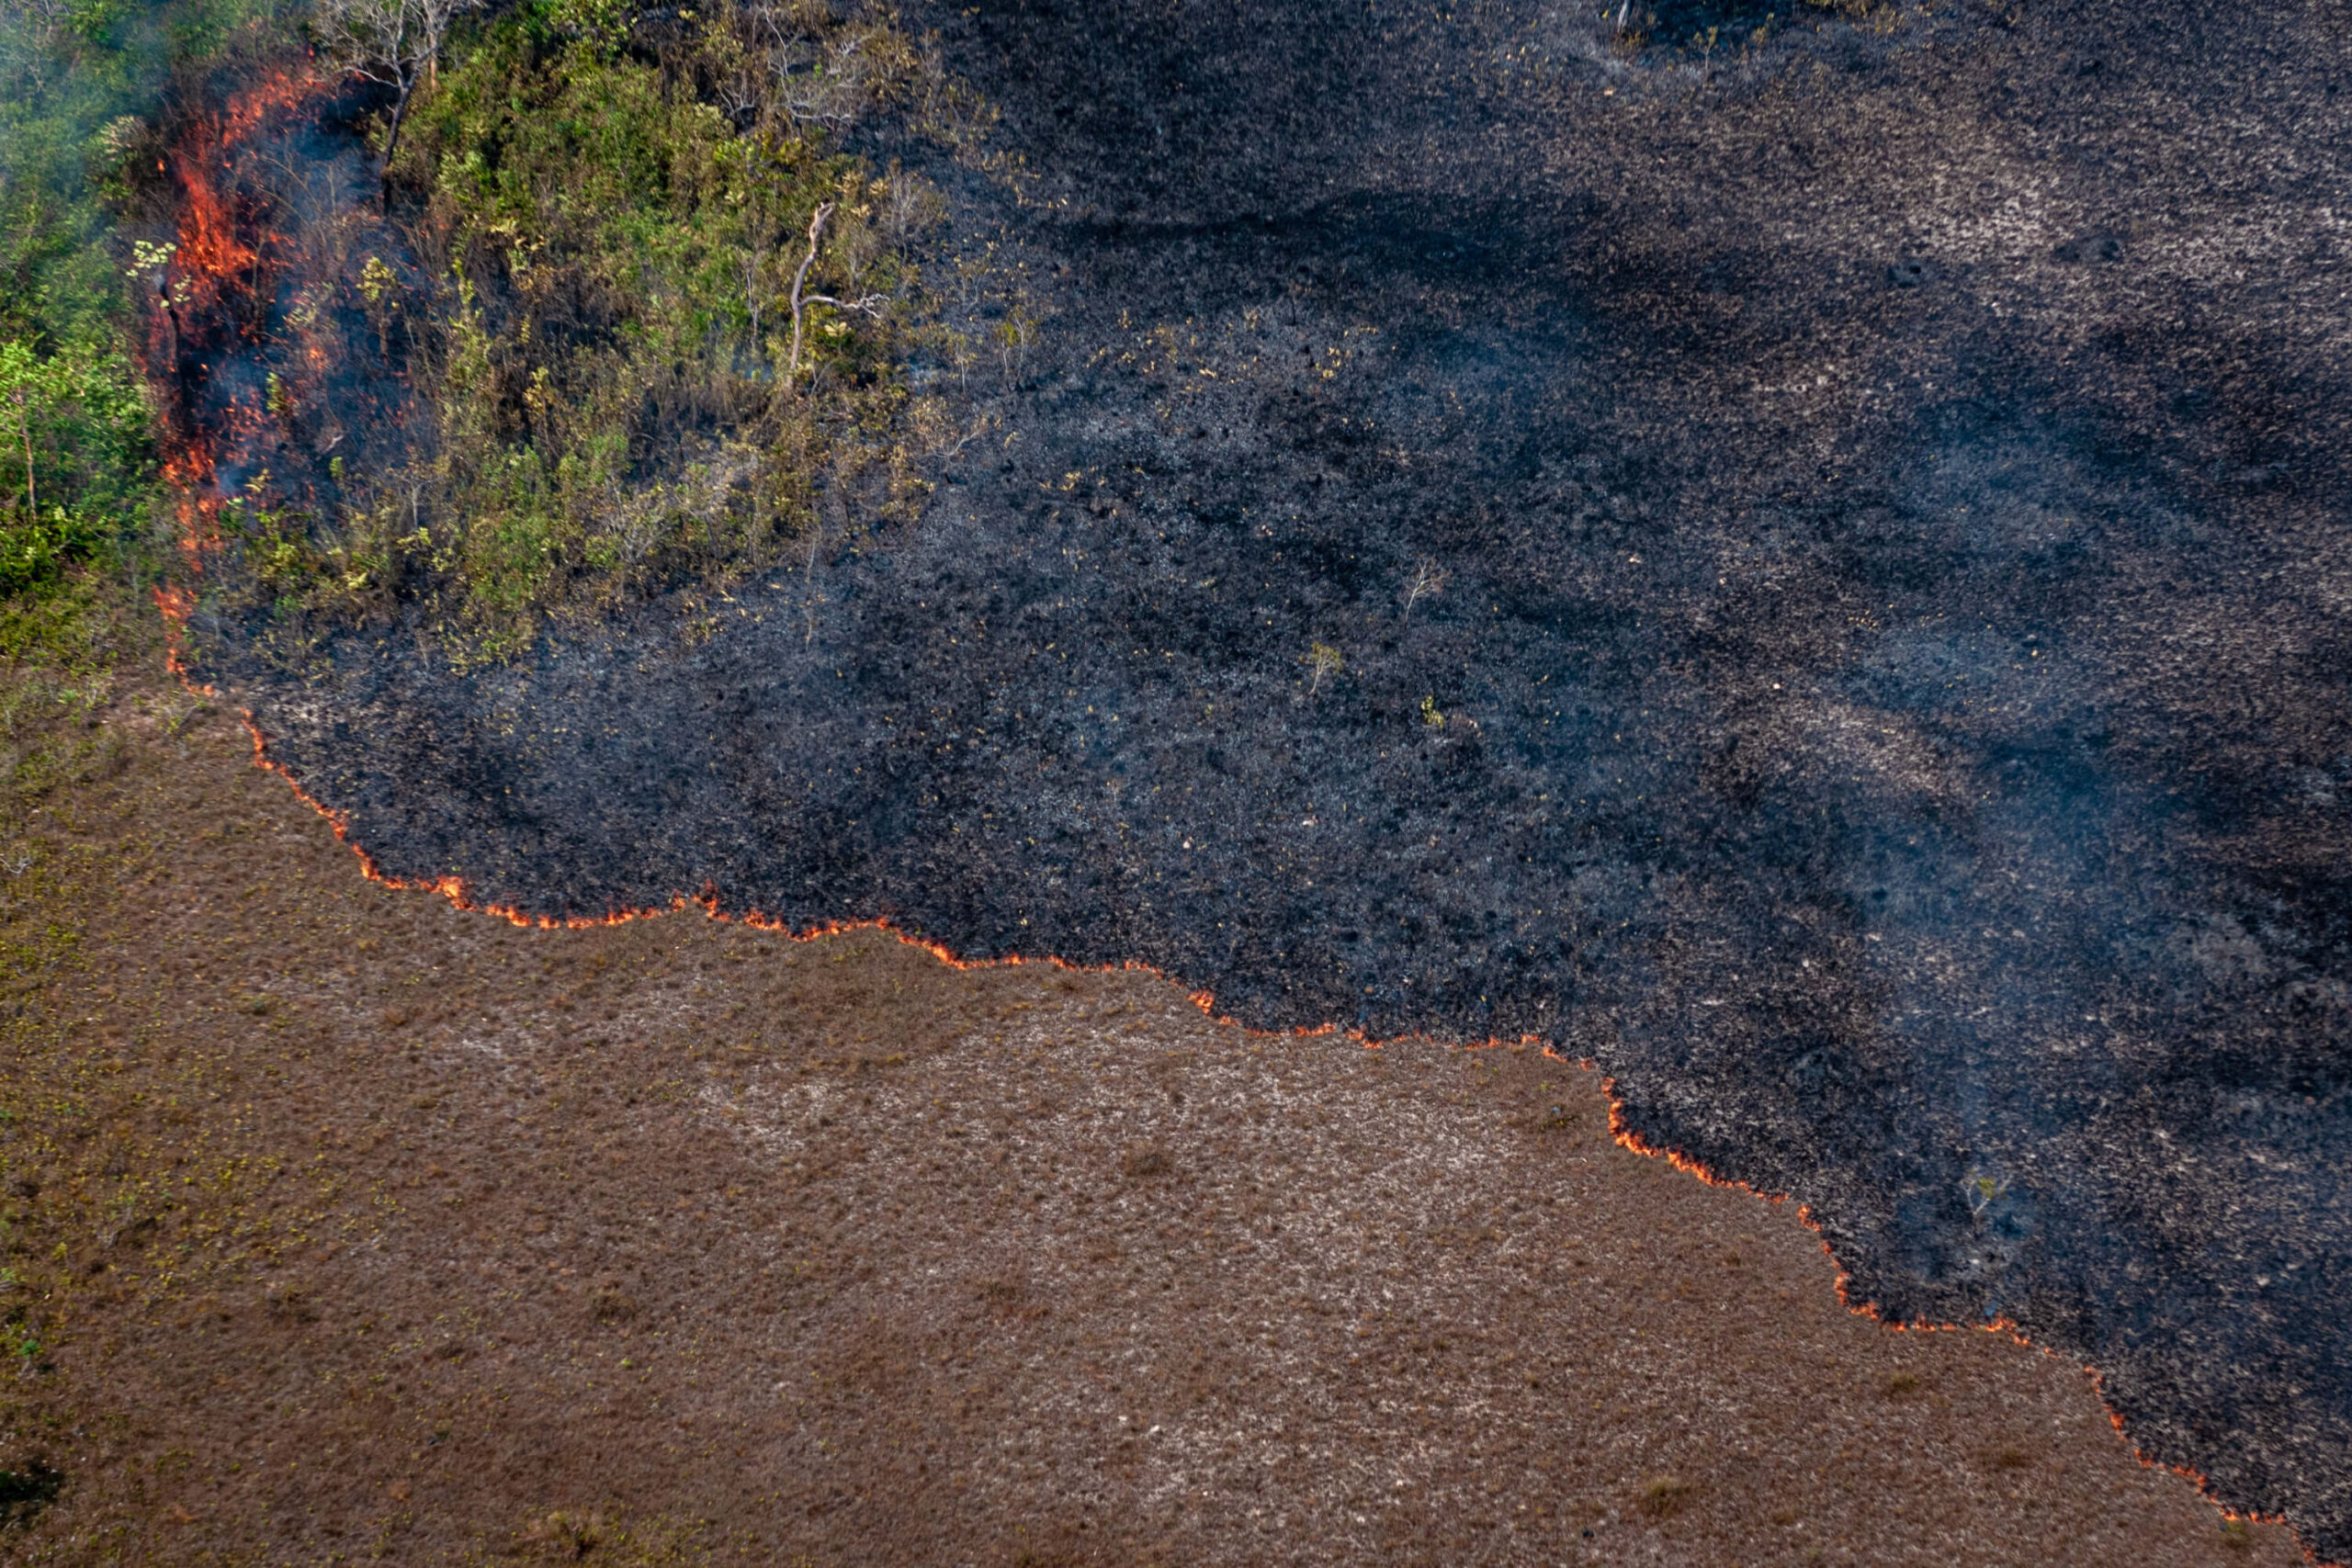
77	470
77	456
78	481
645	314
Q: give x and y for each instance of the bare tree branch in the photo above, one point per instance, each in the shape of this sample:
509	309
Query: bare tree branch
868	304
799	279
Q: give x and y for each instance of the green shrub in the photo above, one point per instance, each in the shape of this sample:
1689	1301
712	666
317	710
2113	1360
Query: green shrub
76	459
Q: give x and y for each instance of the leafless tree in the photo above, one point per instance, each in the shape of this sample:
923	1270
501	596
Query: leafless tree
1428	578
1322	660
396	43
908	205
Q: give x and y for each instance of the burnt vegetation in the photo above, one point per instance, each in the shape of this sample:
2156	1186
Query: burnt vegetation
1866	680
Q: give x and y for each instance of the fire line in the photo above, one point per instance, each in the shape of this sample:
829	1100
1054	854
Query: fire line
1621	1130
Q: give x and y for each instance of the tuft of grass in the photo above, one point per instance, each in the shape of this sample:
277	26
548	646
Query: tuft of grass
1662	1496
605	1536
612	1307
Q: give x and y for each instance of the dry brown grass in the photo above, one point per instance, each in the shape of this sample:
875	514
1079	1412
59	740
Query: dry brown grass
1662	1495
347	1226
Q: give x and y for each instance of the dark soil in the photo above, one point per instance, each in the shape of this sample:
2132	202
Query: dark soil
350	1228
1886	701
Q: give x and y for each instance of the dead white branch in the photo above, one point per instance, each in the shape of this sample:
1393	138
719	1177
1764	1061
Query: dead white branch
833	88
1428	578
868	304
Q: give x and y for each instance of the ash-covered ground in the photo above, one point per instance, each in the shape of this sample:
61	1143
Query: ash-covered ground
1877	681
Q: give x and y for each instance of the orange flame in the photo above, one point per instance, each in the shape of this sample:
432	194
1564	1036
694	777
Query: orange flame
175	604
214	261
210	252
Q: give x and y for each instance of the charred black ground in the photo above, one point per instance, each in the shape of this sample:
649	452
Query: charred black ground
1879	684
